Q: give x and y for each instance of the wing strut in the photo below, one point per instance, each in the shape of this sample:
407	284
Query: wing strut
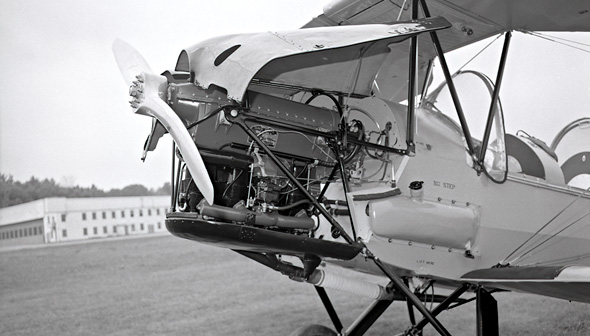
412	82
493	109
449	79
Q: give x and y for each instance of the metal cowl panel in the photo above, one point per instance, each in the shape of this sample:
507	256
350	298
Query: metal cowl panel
330	54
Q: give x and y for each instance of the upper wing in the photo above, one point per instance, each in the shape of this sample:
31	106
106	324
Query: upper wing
319	58
472	20
564	282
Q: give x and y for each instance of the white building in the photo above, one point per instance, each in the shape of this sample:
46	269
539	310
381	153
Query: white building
53	220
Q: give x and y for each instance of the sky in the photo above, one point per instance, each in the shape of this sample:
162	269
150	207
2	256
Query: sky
63	104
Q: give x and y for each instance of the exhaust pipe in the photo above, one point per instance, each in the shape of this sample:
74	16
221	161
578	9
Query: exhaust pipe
256	218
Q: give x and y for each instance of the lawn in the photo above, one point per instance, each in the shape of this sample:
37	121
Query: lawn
162	285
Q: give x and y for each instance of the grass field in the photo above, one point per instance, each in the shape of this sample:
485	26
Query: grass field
164	285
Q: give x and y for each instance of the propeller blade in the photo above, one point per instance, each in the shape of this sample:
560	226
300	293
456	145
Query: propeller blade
149	91
129	60
185	143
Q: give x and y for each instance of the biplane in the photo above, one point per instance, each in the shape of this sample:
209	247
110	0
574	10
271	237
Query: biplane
331	145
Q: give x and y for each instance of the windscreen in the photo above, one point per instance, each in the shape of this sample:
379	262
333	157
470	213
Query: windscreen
475	95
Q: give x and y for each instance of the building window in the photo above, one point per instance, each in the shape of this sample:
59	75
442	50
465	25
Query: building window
141	227
159	225
158	212
140	213
30	231
131	213
40	230
85	231
95	229
35	231
104	229
149	212
63	217
94	215
64	233
104	215
122	213
114	214
83	216
132	227
114	229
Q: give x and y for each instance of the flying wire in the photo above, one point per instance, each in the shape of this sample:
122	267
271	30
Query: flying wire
542	228
561	41
528	252
479	53
560	261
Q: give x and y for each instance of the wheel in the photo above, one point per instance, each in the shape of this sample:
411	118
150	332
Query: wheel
314	330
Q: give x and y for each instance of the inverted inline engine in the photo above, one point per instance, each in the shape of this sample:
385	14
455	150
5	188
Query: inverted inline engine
247	183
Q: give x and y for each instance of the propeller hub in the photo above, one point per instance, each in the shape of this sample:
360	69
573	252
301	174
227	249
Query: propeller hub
136	91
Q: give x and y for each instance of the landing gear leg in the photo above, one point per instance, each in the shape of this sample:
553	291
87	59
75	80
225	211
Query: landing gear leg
369	316
417	328
329	308
411	309
430	317
487	314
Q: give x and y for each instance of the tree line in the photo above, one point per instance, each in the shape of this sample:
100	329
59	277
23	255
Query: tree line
14	192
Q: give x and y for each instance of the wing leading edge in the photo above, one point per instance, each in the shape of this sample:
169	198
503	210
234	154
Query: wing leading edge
472	20
564	282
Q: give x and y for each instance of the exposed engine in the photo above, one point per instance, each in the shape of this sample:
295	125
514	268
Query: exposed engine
245	179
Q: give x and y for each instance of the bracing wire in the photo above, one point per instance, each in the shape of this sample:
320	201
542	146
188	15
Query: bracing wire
542	228
560	261
529	251
560	40
479	53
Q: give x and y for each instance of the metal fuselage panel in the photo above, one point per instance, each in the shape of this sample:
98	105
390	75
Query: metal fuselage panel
508	213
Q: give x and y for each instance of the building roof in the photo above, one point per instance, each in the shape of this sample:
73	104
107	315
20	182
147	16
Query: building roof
39	208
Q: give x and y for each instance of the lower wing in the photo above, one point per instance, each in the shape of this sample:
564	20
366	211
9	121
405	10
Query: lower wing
564	282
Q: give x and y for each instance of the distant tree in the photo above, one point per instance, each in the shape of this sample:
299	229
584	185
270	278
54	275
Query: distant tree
130	190
14	192
166	189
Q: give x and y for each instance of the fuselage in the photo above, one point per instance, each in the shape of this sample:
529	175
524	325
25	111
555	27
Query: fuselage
493	220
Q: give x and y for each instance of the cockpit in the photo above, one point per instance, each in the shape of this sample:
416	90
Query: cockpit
565	161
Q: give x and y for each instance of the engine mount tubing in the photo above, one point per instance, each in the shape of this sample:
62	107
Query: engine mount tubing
330	178
450	83
285	170
345	185
495	97
399	284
